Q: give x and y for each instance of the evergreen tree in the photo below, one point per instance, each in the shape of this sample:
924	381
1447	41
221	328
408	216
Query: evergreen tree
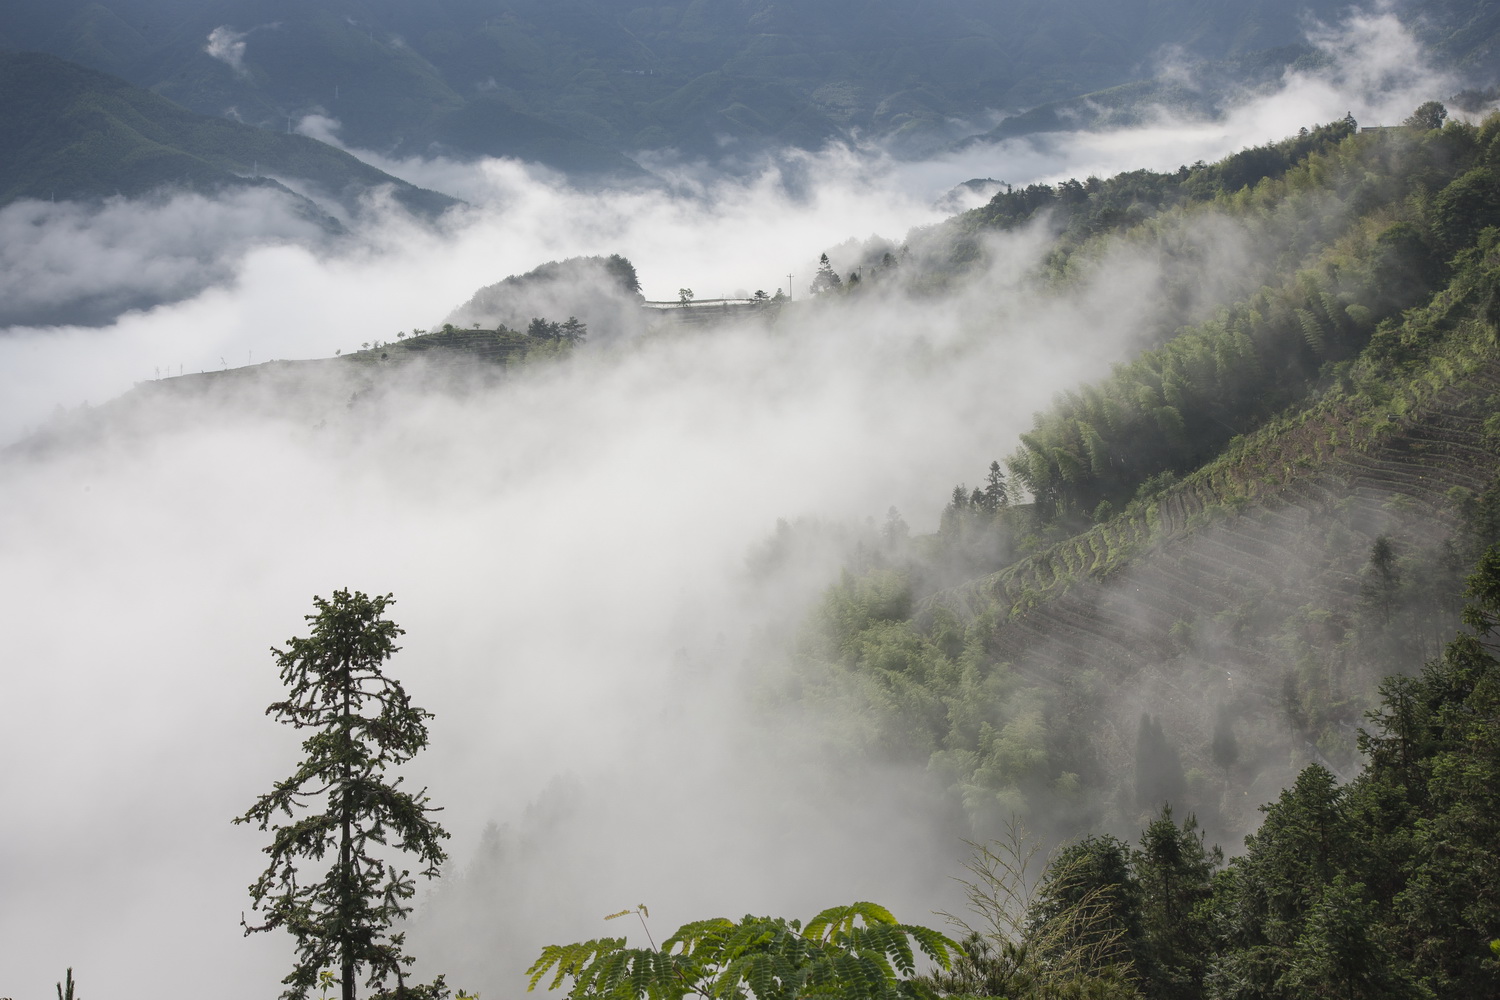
623	271
826	279
1158	767
1226	749
995	496
951	523
362	723
895	531
1174	868
1338	955
1266	895
1382	580
1086	912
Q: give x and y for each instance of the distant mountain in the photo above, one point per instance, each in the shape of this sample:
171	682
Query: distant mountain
1197	91
576	84
75	133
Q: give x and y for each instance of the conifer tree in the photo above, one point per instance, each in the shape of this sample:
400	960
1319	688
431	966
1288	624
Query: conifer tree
362	723
995	496
826	279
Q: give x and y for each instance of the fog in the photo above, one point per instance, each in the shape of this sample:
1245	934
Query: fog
568	549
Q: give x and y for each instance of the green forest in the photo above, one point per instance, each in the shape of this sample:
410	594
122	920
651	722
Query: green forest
1340	413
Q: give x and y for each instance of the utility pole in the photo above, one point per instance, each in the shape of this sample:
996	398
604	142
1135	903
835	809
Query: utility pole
789	288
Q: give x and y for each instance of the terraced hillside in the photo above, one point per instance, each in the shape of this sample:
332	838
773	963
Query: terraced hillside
1250	585
1247	518
1178	614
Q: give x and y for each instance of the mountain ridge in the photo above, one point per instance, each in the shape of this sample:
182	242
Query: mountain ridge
609	79
82	134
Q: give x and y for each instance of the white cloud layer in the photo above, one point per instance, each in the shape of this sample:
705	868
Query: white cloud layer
568	553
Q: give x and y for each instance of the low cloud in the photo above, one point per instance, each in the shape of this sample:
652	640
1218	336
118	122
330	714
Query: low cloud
570	550
65	259
1374	69
1375	59
321	127
228	46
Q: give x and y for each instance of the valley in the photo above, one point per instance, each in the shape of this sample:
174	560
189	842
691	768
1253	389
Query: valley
1095	559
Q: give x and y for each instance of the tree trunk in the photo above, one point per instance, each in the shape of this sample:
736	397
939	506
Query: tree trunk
346	877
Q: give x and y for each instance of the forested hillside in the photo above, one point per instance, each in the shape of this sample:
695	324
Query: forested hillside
1383	886
77	134
1202	567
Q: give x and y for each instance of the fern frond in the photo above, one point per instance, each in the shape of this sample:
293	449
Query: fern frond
888	941
1312	332
569	960
704	937
934	944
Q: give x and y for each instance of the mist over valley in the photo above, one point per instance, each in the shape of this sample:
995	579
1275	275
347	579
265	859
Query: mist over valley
776	508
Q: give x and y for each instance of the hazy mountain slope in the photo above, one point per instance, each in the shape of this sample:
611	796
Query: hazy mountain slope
305	392
1198	91
75	133
1247	587
580	81
1467	31
1334	430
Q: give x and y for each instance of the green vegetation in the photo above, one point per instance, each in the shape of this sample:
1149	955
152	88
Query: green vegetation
1273	507
858	951
465	350
1175	408
363	723
1388	886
